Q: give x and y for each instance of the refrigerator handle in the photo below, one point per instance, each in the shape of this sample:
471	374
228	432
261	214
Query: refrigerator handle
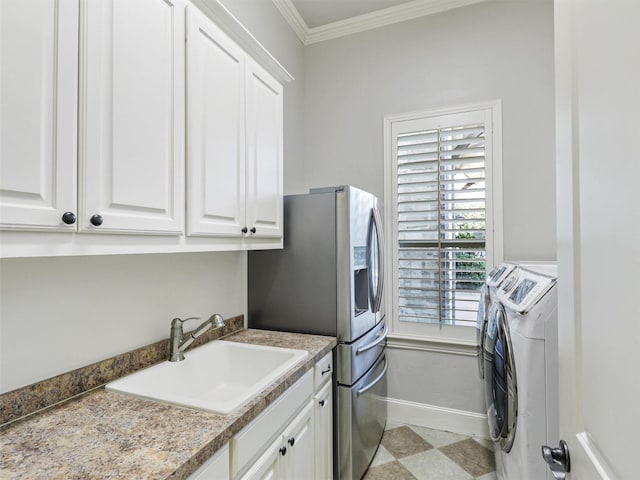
377	222
376	342
369	386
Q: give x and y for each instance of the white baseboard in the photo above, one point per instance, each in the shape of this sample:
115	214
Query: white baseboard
439	418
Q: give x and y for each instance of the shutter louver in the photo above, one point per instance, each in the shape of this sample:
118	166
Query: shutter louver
441	224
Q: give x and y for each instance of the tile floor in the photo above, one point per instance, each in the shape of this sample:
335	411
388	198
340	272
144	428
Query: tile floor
408	452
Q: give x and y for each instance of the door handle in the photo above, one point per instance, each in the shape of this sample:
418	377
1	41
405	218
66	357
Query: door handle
558	459
377	222
375	343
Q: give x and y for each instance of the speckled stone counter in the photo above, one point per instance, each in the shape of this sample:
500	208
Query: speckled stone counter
110	435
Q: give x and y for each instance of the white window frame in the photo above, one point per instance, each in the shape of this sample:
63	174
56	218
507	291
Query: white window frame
442	333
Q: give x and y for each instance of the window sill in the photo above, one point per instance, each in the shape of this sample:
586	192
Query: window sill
452	346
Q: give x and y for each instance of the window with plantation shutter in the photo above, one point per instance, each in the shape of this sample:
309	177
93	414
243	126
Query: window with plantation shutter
442	215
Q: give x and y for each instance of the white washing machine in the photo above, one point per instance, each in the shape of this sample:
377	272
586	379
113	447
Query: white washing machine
520	367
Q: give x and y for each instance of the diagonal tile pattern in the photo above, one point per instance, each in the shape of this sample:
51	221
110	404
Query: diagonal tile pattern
409	452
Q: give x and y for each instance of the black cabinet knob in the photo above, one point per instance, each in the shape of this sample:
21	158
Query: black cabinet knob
321	402
69	218
291	441
244	230
96	220
253	230
283	451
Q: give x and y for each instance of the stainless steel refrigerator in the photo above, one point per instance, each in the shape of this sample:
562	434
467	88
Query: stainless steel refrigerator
328	280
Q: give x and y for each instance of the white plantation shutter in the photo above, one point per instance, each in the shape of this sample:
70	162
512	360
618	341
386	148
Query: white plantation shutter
440	197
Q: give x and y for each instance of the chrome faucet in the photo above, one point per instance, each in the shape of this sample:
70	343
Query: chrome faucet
178	344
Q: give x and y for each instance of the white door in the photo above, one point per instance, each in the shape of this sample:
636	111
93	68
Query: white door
298	463
598	105
131	125
264	152
38	105
215	145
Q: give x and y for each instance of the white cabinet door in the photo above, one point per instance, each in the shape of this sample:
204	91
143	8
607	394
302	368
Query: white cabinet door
300	442
215	146
131	135
323	424
38	86
269	465
264	154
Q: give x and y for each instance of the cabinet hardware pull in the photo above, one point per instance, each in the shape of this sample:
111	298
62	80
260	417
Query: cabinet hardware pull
96	220
291	441
253	230
244	230
326	371
69	218
283	451
321	402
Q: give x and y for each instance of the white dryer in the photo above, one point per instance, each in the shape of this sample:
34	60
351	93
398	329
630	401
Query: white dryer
519	353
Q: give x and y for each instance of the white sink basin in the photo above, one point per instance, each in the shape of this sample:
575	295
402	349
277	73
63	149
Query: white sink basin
217	377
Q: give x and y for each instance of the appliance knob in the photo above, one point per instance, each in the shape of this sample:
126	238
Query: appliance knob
283	451
96	220
253	230
69	218
244	230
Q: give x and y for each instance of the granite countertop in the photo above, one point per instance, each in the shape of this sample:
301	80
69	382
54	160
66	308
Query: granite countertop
104	434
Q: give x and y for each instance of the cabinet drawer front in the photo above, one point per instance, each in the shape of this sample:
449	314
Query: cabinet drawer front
323	370
253	438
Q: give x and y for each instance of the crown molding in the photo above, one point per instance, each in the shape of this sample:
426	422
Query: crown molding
368	21
293	18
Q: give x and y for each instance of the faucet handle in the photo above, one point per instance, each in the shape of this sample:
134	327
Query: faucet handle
217	320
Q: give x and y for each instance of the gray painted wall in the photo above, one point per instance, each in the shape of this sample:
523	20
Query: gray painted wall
494	50
58	314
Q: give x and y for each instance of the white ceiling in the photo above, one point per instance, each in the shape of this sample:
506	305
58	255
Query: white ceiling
318	20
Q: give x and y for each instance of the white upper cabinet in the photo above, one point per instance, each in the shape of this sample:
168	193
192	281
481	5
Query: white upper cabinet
159	121
264	152
215	146
131	138
234	148
38	105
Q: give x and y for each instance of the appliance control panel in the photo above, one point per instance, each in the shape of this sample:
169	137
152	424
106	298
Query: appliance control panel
499	273
522	289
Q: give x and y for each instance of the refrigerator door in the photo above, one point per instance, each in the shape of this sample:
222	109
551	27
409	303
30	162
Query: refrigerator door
362	415
353	215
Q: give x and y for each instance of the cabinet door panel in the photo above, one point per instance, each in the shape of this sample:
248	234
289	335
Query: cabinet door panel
132	115
300	441
324	433
264	152
215	147
38	119
268	466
